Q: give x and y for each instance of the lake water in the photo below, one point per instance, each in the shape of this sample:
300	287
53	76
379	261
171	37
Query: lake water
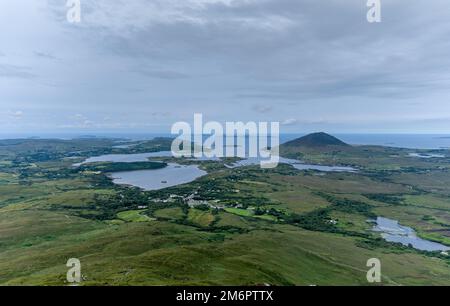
392	231
141	157
125	158
124	146
174	174
295	163
426	155
170	176
410	141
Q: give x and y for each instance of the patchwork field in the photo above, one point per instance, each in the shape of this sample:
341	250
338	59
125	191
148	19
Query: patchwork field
243	226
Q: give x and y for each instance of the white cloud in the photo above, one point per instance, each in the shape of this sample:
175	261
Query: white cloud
18	114
124	17
290	121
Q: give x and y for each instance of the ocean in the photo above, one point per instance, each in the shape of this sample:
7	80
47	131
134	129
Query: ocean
411	141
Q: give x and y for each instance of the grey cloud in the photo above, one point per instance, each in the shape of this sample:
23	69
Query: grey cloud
13	71
263	109
160	114
244	57
45	55
327	47
163	74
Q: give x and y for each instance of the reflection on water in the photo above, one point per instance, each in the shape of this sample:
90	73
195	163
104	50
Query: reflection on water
170	176
175	174
125	158
394	232
295	163
141	157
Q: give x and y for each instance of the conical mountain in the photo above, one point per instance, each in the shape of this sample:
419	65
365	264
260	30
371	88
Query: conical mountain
316	140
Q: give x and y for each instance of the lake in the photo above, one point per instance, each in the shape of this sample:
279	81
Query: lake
175	174
392	231
410	141
297	164
125	158
426	155
141	157
170	176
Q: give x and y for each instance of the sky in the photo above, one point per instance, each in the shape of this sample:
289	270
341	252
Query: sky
142	65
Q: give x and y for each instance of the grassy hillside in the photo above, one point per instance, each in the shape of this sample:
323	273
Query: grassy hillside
243	226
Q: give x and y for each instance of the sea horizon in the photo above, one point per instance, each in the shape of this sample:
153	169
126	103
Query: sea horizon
423	141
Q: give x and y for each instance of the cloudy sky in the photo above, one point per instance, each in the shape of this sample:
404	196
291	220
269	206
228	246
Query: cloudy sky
141	65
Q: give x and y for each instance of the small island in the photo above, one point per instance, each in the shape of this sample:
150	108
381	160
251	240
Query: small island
108	167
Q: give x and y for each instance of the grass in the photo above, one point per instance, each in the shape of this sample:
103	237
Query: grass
297	200
133	216
161	253
173	213
435	182
200	217
351	222
8	179
428	201
40	227
436	237
250	213
231	220
240	212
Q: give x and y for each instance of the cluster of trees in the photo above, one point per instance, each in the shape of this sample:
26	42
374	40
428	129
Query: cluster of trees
117	167
385	198
317	220
106	207
347	205
28	172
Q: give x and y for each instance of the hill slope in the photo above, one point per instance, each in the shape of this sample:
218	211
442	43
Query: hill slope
316	140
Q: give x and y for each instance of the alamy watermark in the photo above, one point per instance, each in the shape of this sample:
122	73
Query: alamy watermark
229	141
374	273
73	275
74	11
374	13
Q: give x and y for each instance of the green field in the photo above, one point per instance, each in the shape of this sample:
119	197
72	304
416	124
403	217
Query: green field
246	226
133	216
